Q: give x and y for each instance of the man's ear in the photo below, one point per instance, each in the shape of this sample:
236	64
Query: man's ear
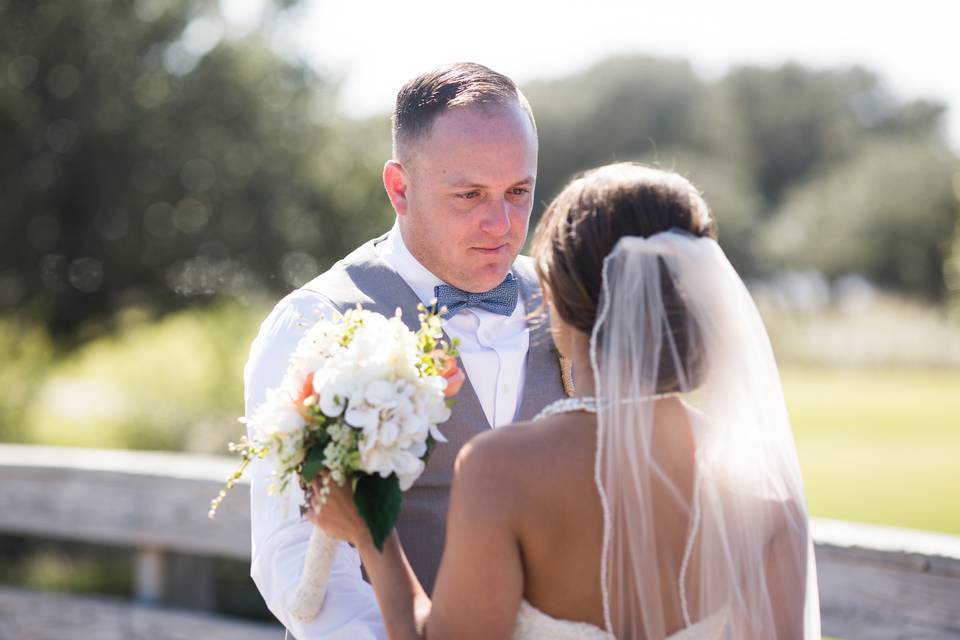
395	181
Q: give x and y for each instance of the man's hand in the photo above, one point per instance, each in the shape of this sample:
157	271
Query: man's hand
337	513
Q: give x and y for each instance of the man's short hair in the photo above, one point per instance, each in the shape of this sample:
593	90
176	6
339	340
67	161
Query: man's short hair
427	96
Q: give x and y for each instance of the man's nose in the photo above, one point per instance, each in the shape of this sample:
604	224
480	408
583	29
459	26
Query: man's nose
496	217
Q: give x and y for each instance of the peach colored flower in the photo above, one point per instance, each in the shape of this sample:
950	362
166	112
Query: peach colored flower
451	372
305	392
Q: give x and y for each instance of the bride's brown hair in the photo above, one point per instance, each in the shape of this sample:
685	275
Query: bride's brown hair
583	224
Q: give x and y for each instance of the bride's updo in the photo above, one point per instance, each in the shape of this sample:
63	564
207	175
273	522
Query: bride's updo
583	224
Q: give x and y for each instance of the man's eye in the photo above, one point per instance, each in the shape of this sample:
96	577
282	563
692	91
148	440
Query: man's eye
520	191
469	195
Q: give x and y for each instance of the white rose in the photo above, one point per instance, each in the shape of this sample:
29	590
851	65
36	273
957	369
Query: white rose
332	403
276	415
334	386
321	378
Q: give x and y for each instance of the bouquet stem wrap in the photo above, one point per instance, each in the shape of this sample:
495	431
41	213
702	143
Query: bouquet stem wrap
312	589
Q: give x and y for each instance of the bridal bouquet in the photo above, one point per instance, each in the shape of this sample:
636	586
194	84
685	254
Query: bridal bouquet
360	401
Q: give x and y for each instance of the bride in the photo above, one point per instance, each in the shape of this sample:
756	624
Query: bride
664	499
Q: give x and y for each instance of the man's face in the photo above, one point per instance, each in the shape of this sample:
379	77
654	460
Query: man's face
468	191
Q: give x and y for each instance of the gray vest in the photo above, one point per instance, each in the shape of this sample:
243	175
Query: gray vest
363	277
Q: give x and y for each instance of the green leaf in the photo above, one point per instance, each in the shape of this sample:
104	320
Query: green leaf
312	464
378	502
431	445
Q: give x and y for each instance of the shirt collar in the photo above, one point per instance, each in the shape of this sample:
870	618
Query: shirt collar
417	276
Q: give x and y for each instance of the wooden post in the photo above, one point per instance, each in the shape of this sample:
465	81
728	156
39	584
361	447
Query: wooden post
149	578
190	582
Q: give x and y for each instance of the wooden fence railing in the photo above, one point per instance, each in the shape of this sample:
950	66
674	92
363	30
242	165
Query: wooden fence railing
875	582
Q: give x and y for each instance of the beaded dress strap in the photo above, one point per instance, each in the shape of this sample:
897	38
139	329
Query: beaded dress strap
589	404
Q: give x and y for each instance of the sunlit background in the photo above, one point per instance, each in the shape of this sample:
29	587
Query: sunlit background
170	168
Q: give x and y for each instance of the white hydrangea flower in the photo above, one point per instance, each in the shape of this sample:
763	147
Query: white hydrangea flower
418	449
320	344
381	393
275	415
332	400
362	415
387	460
388	432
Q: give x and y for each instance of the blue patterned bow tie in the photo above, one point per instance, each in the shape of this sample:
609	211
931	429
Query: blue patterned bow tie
501	299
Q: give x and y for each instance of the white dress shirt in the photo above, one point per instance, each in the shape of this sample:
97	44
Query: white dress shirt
493	349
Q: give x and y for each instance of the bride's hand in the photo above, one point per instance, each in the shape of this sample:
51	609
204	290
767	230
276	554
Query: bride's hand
337	514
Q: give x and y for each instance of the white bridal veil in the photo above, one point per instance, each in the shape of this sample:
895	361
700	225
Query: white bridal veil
718	468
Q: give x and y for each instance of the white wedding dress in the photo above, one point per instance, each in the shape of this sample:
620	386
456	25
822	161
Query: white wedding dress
533	624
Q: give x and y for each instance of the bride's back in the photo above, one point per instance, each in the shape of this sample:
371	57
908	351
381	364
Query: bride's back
561	535
647	309
559	526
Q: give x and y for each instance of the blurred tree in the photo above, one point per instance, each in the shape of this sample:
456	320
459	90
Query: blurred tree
888	213
28	356
748	140
152	158
951	268
728	190
148	159
784	124
623	108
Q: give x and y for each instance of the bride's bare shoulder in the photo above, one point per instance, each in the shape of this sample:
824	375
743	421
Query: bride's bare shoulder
525	451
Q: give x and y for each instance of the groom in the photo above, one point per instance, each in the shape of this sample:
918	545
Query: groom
461	182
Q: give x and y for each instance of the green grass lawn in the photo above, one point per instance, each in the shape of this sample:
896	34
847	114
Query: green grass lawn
879	445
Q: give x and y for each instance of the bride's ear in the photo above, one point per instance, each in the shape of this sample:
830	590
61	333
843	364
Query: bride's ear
395	181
